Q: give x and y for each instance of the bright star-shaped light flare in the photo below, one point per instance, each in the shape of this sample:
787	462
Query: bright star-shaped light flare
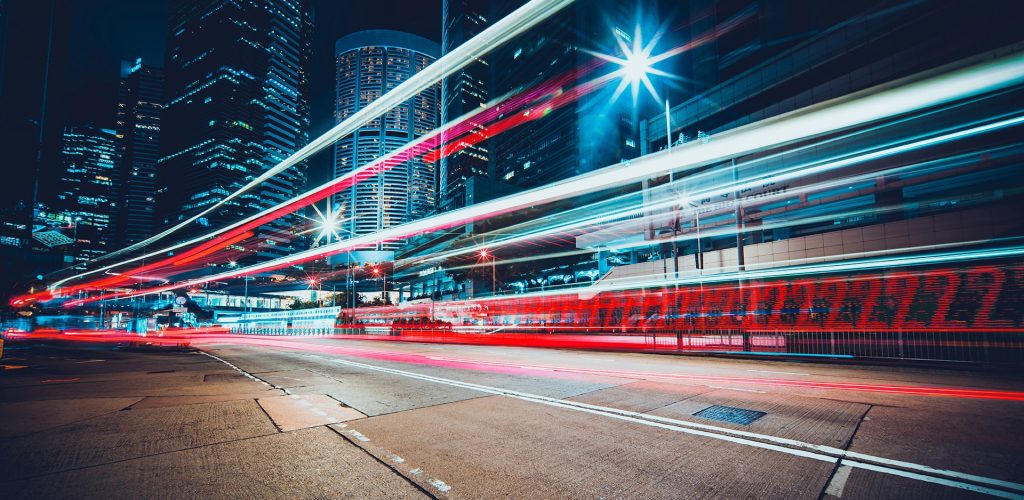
328	223
636	66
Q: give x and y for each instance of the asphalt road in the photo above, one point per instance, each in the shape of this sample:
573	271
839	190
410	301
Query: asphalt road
318	417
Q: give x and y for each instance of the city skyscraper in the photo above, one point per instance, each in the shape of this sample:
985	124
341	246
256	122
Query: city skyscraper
369	64
461	93
587	133
237	77
87	193
140	97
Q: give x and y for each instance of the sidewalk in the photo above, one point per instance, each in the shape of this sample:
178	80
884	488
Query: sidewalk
95	422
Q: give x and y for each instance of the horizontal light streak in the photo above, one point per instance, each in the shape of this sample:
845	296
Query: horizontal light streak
868	107
501	31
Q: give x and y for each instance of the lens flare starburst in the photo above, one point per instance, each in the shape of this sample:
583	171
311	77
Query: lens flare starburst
636	64
327	224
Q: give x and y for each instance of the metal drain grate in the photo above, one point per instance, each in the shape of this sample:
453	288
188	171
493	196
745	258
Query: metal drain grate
729	414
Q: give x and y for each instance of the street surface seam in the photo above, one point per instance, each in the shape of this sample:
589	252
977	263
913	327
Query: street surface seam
86	419
823	453
84	467
841	472
415	484
436	483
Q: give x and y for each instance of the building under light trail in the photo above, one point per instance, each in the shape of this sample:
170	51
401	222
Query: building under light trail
87	195
237	78
140	102
461	93
369	64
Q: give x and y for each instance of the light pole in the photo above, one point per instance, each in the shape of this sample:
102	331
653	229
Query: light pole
246	279
494	281
384	284
699	257
312	287
75	226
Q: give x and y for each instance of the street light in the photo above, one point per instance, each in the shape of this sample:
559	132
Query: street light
384	285
699	256
494	287
75	225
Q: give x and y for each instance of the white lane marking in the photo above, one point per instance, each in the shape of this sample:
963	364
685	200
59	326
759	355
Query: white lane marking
440	485
358	435
737	389
396	459
821	452
838	482
936	480
91	361
243	372
417	471
784	373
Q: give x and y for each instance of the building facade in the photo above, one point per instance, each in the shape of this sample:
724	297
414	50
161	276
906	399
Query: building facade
237	74
369	64
140	101
576	135
87	194
825	56
463	92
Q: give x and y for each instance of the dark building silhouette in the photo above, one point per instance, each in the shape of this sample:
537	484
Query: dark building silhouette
462	93
237	74
87	190
140	98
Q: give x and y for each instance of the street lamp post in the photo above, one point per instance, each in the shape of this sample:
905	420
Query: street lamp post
384	284
494	280
699	257
75	226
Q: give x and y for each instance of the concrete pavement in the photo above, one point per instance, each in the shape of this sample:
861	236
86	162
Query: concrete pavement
339	418
99	423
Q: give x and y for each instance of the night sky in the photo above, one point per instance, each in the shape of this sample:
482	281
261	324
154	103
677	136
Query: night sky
105	32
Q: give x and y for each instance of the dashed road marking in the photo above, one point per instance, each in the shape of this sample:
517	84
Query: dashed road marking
764	441
838	482
736	389
782	373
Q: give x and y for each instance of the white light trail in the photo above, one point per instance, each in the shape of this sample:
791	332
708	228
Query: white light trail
864	107
505	29
384	160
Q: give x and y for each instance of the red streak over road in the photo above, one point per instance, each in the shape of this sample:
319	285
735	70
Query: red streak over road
215	336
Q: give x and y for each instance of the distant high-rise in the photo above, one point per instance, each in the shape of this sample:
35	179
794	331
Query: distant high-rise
461	93
86	192
370	63
139	105
237	104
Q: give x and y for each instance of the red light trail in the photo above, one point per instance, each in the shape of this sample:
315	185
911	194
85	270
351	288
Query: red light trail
216	336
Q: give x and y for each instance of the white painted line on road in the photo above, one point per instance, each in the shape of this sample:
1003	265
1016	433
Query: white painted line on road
933	479
440	485
358	435
764	441
838	482
783	373
243	372
737	389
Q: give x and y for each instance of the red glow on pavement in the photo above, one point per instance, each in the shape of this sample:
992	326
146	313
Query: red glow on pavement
212	336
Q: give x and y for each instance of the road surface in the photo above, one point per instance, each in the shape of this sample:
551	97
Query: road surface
314	417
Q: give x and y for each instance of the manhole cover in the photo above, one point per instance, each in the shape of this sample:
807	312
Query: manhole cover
729	414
